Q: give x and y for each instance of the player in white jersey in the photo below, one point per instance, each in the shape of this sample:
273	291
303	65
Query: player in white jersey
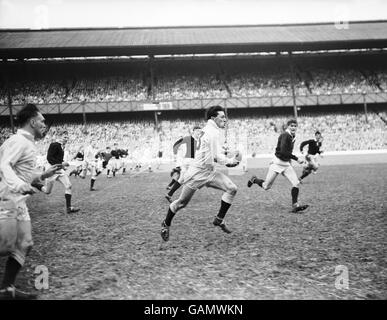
202	171
18	175
90	164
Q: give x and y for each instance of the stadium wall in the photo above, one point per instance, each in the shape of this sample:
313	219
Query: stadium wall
330	158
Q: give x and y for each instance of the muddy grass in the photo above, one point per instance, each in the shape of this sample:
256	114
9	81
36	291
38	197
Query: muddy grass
112	248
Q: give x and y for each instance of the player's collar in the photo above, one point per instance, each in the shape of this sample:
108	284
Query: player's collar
288	131
212	123
26	134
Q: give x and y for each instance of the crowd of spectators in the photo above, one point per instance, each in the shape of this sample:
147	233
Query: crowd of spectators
255	80
253	135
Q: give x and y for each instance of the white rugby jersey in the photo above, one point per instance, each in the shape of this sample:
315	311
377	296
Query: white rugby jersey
18	162
209	150
90	153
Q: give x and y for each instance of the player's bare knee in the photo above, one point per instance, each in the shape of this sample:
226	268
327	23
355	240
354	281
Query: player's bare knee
26	246
182	203
232	189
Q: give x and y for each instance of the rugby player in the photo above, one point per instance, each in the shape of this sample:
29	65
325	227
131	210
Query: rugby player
202	172
314	146
91	164
55	154
18	176
281	164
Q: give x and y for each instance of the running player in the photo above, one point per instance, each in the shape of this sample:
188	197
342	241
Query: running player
90	164
202	172
115	163
55	155
314	146
106	156
281	164
190	143
18	175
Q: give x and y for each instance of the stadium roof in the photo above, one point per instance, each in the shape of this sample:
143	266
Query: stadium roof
190	40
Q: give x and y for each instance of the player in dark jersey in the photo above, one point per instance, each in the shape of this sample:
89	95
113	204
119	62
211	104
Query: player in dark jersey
124	159
115	159
314	146
106	156
177	173
79	158
281	163
55	155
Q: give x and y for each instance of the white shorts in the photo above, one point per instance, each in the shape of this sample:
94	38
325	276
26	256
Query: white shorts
284	168
62	176
196	178
115	164
14	207
312	161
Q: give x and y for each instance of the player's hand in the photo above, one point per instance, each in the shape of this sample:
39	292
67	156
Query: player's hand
51	171
25	188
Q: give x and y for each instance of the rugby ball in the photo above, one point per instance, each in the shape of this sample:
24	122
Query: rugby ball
65	164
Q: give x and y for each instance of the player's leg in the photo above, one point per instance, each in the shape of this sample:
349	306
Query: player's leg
8	226
65	180
174	207
178	181
109	168
175	176
266	184
307	169
314	164
85	166
291	175
94	174
222	182
124	165
21	226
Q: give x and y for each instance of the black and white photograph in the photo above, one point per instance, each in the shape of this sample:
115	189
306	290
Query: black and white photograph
207	152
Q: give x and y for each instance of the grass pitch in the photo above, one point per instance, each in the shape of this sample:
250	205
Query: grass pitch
112	249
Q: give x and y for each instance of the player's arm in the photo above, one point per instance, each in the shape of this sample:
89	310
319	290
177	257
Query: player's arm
7	162
176	145
303	144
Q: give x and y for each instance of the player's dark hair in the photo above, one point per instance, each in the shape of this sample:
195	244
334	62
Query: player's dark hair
291	121
29	111
196	127
213	111
317	132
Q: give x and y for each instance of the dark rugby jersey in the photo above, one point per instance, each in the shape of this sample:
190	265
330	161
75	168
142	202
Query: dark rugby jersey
55	153
115	153
123	153
106	156
285	146
190	143
314	146
79	156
